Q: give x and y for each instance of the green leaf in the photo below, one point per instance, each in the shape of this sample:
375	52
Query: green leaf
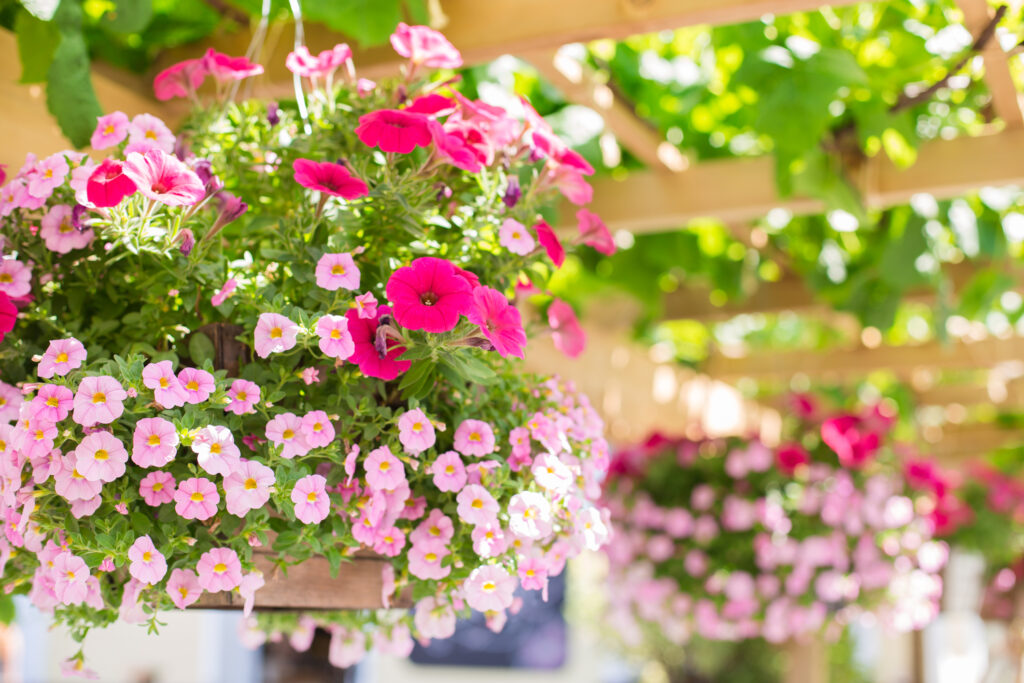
369	22
200	348
69	93
418	380
37	42
129	16
418	11
7	612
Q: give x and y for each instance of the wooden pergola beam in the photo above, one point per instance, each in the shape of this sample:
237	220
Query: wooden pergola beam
957	444
1005	98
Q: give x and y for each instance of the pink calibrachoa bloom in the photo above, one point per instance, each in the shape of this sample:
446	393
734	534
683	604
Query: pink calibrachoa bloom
111	129
35	439
549	240
437	526
415	431
366	305
337	271
224	292
533	574
15	278
489	539
147	563
449	472
424	46
59	234
183	587
157	488
167	390
329	178
147	131
347	647
274	334
49	175
474	437
244	396
383	470
371	363
248	487
108	185
75	666
529	515
10	402
566	332
312	504
196	498
310	375
476	505
70	578
154	443
389	542
61	357
286	430
226	68
52	403
429	295
215	450
594	232
196	384
335	339
251	582
394	130
101	456
489	588
162	178
179	80
499	321
551	473
515	237
71	485
317	428
434	618
425	560
219	570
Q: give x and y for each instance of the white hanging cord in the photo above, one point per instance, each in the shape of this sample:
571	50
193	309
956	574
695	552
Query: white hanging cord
300	96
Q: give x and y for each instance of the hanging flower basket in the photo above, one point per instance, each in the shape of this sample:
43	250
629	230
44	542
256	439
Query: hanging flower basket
272	361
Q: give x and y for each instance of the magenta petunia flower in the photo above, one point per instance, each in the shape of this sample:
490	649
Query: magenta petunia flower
157	488
394	130
167	391
312	504
15	278
566	332
549	240
329	178
594	232
365	354
335	339
59	233
317	428
183	587
449	472
383	470
148	132
219	570
226	68
476	505
52	403
286	430
180	80
8	315
147	563
162	178
101	457
248	487
99	400
111	129
108	185
415	431
499	321
474	437
423	45
337	271
274	334
215	450
429	295
196	384
515	237
196	498
244	396
490	588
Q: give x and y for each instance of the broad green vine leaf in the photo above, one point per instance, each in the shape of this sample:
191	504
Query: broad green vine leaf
37	41
128	16
69	93
368	22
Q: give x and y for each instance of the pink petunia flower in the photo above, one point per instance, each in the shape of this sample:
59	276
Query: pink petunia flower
52	403
499	321
147	563
101	457
111	130
15	278
312	504
196	384
274	334
449	472
476	505
215	450
48	175
330	178
196	498
571	183
426	558
365	354
337	271
286	430
61	357
594	232
244	396
58	232
183	587
516	237
157	488
167	391
225	68
529	515
162	178
429	295
366	305
474	437
147	131
219	569
383	470
70	578
335	339
317	429
248	487
423	45
301	62
549	240
99	400
566	332
394	130
415	431
154	443
489	539
489	588
179	80
108	185
224	292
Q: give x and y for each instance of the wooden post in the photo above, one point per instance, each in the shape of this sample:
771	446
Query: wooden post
806	661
